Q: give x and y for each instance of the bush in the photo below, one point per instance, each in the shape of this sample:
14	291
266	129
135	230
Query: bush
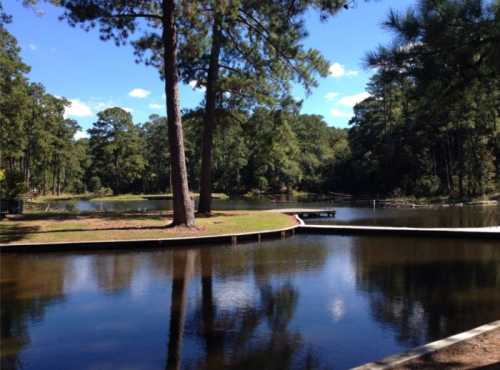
104	191
95	184
70	207
13	186
427	185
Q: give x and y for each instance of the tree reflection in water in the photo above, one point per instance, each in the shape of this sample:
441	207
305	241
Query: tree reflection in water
245	326
24	300
240	338
251	306
431	291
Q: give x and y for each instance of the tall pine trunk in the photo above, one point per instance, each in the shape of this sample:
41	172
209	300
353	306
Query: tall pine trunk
205	203
182	203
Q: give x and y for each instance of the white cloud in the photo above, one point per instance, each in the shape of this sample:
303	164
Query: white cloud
352	100
99	106
339	114
337	309
33	47
77	108
331	95
337	70
81	134
234	294
156	106
139	93
194	85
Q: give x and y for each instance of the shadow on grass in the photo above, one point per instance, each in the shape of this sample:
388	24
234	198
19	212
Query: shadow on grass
36	230
14	233
221	214
63	216
10	231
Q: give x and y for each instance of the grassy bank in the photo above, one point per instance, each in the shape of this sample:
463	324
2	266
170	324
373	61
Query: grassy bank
116	198
66	228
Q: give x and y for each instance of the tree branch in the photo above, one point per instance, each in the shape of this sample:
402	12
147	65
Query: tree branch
135	15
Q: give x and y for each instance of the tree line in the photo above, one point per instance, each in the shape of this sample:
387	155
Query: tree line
255	150
431	124
429	127
37	146
250	51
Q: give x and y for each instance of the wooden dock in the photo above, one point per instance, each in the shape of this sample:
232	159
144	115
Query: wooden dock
479	232
308	212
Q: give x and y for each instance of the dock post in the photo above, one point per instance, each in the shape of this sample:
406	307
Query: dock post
234	240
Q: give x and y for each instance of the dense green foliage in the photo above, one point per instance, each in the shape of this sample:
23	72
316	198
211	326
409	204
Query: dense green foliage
37	146
431	125
266	150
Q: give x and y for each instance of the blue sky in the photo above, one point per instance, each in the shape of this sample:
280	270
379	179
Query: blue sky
94	74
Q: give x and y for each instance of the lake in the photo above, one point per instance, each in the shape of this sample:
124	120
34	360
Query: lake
466	216
309	301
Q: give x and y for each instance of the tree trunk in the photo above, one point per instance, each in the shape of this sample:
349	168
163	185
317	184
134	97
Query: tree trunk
205	204
182	203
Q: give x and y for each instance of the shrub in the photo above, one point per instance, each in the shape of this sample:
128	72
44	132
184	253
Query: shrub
95	184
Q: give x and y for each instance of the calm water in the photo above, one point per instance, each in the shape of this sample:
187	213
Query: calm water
166	204
468	216
328	302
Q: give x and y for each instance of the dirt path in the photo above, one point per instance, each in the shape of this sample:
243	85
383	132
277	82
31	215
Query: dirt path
481	352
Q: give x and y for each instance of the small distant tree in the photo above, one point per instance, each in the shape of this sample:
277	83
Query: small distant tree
95	184
116	150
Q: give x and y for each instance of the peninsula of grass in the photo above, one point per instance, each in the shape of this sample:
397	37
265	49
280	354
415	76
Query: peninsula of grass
112	198
51	228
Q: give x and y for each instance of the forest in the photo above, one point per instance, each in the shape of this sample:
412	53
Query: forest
430	126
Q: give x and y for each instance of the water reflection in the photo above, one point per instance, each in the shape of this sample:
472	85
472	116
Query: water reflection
434	289
301	303
467	216
231	336
26	299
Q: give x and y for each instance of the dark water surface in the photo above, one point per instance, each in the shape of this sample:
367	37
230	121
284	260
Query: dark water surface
326	302
166	204
468	216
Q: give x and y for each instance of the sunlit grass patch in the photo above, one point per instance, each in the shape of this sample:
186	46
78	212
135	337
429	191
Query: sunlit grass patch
67	228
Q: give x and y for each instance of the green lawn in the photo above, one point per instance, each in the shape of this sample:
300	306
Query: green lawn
67	228
119	197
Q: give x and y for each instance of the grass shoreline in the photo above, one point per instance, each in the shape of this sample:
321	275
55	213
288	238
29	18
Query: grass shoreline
116	198
47	228
402	200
